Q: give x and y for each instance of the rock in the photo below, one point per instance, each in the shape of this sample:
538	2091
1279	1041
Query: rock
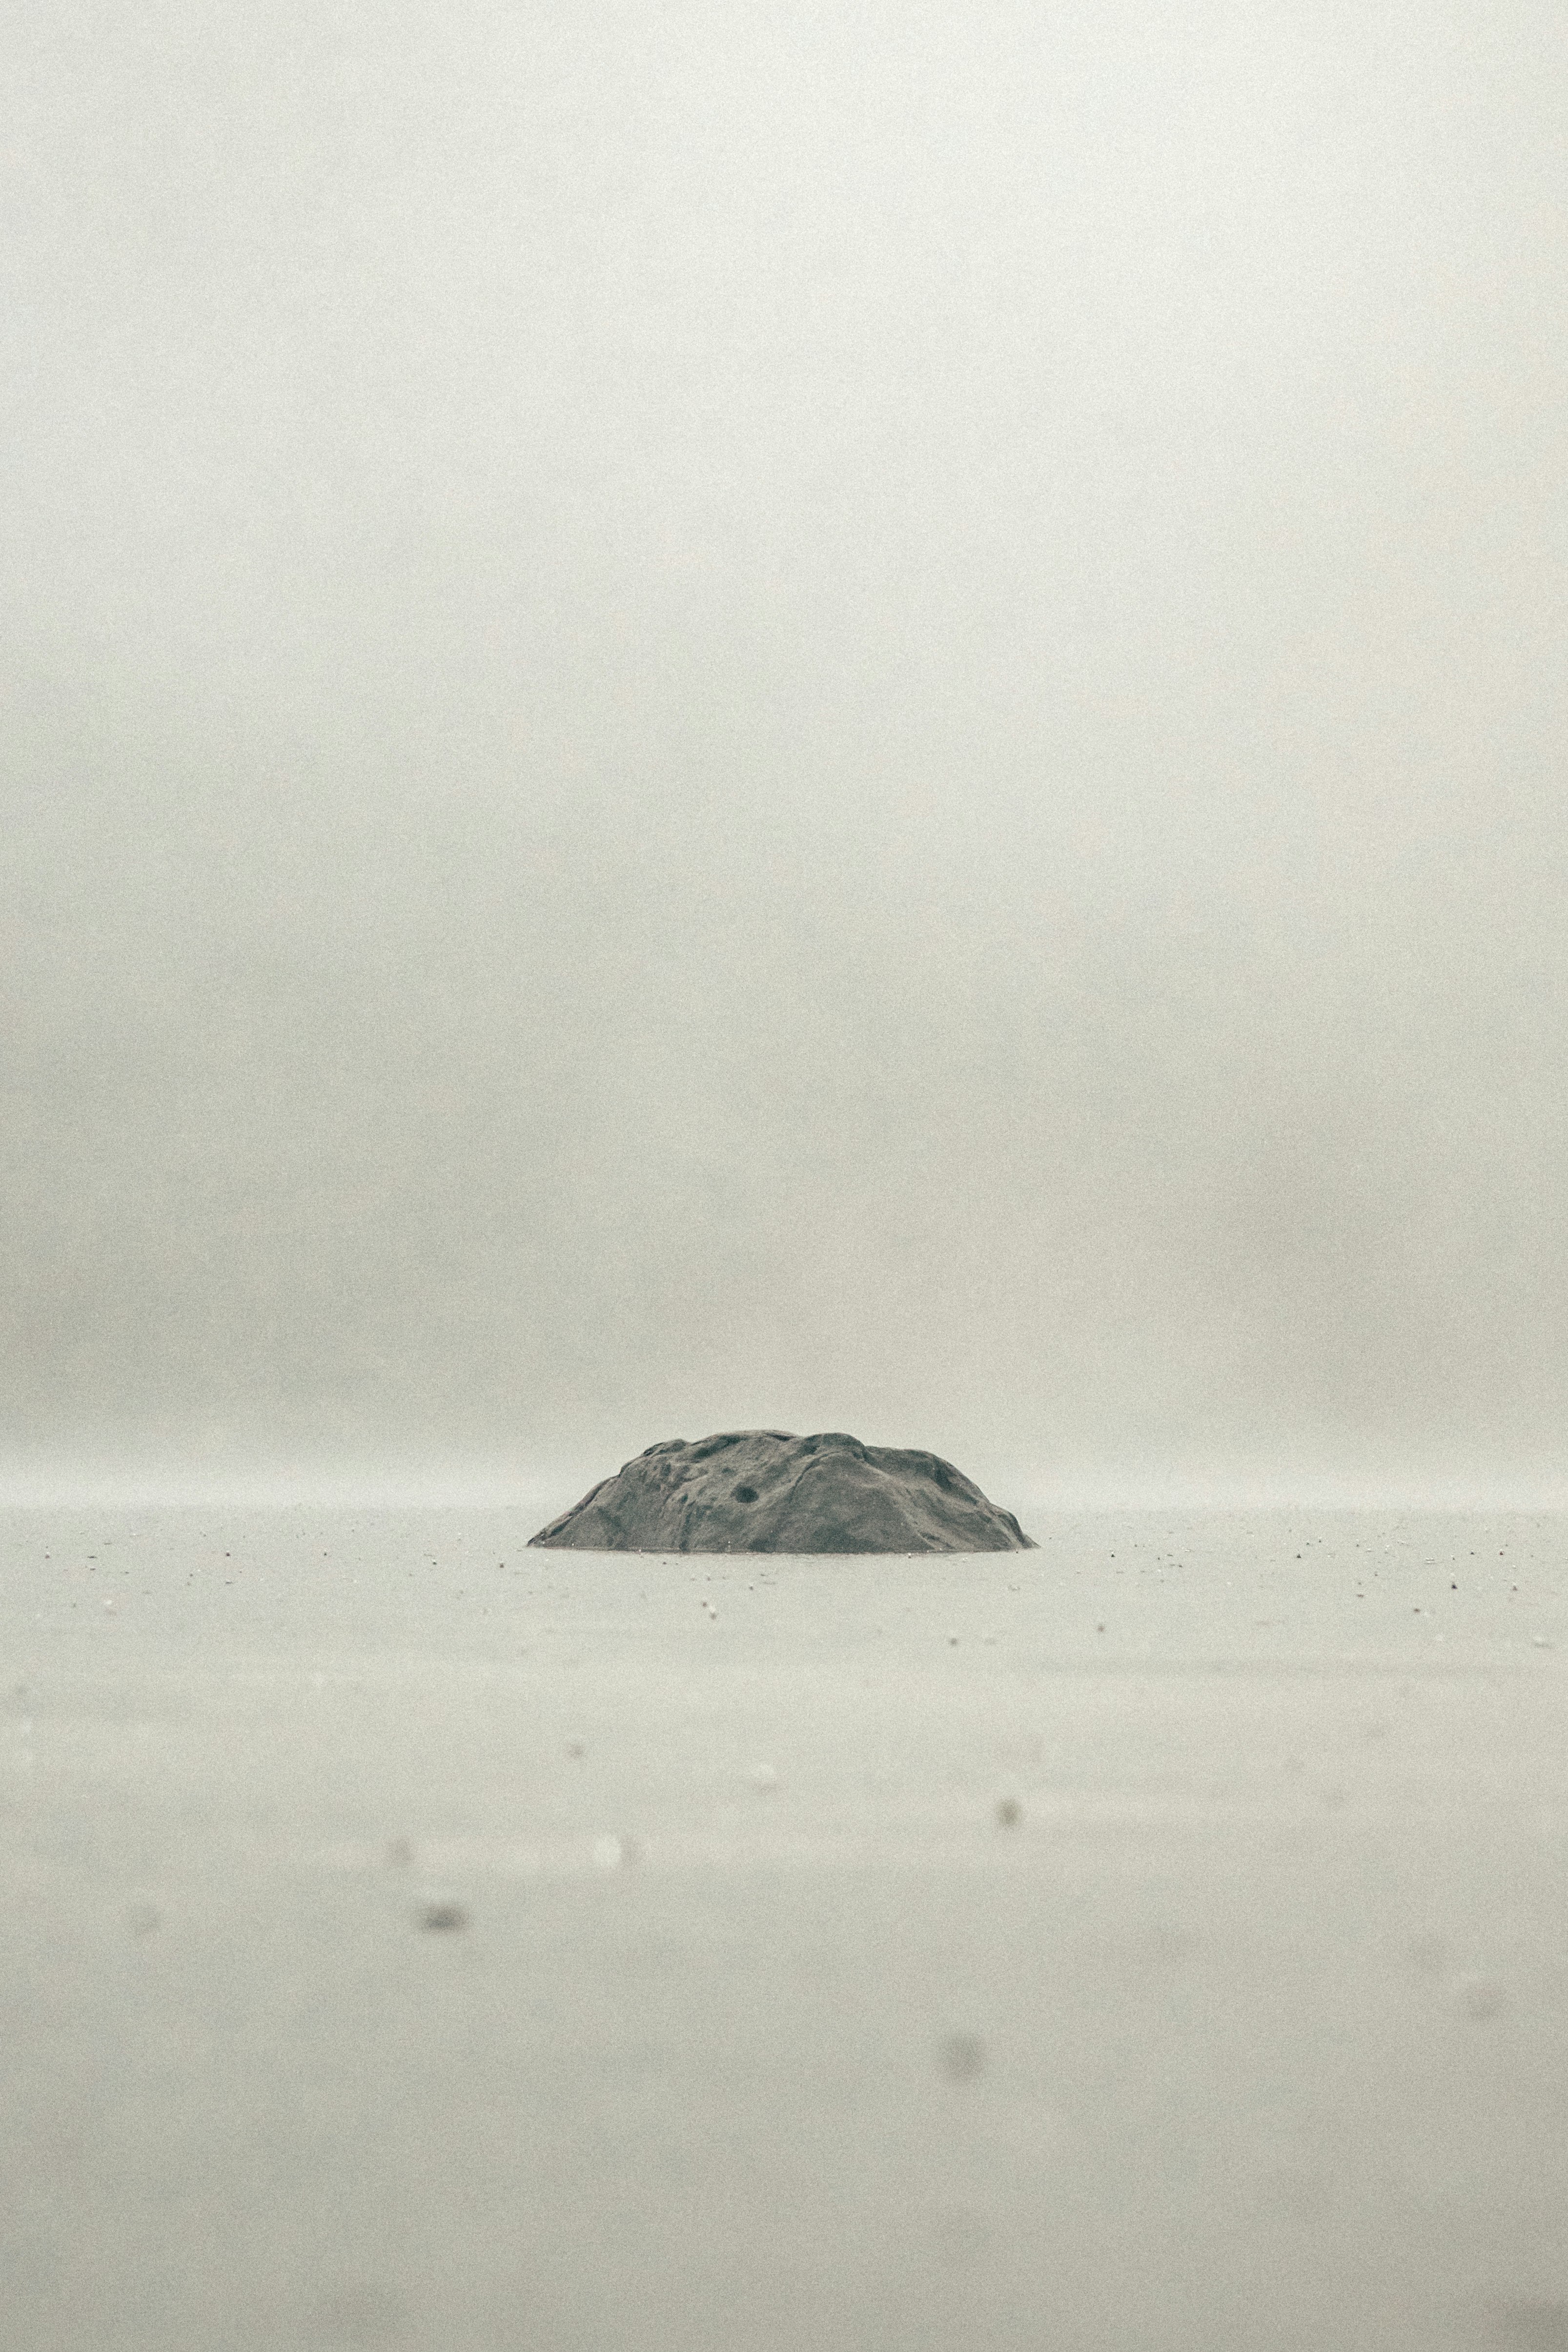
764	1490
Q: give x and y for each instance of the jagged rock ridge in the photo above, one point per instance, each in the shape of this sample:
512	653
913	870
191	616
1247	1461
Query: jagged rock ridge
765	1490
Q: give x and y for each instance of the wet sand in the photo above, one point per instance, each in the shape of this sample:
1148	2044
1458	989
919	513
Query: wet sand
1159	1941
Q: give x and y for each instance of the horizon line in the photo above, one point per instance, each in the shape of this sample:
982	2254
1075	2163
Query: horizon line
1073	1493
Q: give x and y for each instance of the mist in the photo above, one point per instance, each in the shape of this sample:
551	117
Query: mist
751	716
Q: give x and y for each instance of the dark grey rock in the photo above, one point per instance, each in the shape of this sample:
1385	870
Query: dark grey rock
764	1490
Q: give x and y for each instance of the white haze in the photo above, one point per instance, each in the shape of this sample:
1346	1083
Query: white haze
720	715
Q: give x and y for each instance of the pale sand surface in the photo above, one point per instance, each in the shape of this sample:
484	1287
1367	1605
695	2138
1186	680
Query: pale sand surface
764	2031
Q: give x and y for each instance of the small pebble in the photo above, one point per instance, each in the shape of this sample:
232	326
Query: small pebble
963	2057
442	1915
615	1852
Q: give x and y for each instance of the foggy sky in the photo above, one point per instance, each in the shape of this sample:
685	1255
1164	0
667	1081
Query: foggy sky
827	717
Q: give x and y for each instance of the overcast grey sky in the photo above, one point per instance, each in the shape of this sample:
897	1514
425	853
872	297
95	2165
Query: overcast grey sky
837	715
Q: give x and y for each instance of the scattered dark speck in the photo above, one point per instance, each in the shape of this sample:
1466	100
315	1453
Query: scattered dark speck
1009	1812
141	1919
442	1915
963	2057
1478	1996
400	1853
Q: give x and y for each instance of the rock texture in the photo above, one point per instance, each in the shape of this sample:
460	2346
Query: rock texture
764	1490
